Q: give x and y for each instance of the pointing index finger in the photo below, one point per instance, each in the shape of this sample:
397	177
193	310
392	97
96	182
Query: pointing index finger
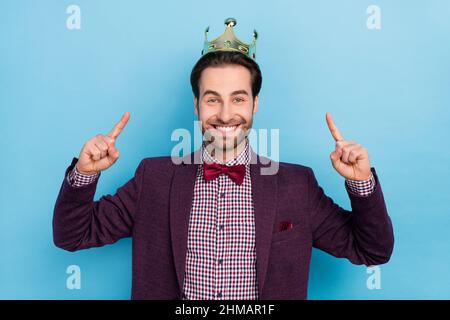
114	133
333	129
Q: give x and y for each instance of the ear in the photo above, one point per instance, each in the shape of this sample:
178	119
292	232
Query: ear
196	106
255	104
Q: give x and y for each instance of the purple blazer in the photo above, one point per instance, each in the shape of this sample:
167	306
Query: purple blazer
154	206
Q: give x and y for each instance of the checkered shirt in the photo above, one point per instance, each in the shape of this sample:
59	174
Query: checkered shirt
221	251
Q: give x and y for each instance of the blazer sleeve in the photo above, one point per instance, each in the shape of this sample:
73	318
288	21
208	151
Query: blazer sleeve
363	235
81	223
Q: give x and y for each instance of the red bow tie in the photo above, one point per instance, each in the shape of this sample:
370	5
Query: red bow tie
213	170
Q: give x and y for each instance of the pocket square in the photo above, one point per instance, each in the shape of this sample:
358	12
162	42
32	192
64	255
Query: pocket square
285	225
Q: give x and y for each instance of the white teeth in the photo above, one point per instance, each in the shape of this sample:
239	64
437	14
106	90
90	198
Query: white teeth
226	129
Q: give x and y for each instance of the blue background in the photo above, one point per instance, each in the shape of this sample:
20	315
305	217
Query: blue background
387	89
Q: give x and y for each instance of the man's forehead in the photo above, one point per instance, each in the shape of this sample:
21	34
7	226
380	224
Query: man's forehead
225	82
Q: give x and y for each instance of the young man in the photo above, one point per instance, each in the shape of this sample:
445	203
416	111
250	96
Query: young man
212	226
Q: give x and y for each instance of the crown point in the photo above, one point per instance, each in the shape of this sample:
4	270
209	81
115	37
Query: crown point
255	34
230	22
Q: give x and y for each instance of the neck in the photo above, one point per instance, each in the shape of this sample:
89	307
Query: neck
227	155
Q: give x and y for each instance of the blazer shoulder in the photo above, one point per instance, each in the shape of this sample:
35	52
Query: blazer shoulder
286	168
295	168
158	160
294	173
159	163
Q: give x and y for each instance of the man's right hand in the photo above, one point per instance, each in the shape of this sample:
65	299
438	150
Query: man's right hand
100	153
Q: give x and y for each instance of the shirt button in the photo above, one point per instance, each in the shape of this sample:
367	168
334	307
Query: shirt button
220	261
219	294
221	227
222	194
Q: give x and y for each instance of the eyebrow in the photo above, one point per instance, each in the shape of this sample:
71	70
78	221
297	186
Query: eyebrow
217	94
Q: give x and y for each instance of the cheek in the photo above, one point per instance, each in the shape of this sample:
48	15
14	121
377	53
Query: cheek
247	114
204	113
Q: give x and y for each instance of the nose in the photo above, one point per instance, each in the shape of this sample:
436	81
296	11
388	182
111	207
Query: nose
225	113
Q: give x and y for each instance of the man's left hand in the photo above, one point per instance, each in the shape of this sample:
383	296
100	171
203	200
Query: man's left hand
350	159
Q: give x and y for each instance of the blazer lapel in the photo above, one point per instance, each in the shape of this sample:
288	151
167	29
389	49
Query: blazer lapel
265	193
181	195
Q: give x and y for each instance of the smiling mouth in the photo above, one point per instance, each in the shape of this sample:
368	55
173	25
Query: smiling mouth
226	129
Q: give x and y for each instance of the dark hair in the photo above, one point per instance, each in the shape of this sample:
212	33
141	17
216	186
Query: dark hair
221	58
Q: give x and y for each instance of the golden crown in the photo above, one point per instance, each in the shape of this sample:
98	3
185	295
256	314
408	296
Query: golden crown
229	42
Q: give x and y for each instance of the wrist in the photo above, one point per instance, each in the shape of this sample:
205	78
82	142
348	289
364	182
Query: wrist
84	173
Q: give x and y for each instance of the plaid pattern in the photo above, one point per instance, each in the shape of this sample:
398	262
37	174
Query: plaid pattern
221	250
363	187
77	179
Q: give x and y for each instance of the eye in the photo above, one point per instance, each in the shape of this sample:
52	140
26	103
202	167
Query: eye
239	100
212	100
